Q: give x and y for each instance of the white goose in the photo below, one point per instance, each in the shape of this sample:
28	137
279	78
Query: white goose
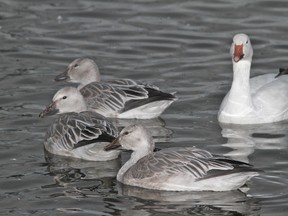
124	98
262	99
176	169
78	133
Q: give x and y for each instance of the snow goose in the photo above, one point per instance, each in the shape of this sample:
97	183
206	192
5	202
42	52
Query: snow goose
124	98
176	169
78	133
261	99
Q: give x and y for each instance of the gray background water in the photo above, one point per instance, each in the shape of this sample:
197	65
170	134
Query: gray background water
180	46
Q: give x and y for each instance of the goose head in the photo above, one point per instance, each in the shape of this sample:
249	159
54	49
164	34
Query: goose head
81	70
67	99
135	138
241	48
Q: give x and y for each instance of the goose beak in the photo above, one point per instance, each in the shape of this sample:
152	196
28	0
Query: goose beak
50	110
115	144
238	53
63	76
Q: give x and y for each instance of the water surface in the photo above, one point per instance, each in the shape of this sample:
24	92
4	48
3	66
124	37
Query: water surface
180	46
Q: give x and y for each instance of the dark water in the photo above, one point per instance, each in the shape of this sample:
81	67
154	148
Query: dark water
180	46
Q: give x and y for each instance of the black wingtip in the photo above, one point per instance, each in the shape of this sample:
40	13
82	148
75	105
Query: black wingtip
282	71
104	137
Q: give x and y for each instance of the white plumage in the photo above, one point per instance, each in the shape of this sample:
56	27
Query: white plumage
262	99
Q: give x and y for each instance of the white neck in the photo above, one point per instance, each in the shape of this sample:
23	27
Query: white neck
93	77
78	104
135	156
82	108
239	100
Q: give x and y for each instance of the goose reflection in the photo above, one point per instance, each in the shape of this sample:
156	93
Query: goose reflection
244	139
192	203
68	170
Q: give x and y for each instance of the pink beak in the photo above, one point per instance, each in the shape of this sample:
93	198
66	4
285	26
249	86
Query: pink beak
238	53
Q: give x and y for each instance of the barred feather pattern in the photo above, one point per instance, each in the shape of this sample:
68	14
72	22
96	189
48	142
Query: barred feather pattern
130	83
189	161
71	128
106	98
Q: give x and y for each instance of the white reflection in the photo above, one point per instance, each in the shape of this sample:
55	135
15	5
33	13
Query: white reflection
192	203
244	139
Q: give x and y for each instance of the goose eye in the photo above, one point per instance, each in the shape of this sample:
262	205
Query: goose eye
247	42
76	65
64	97
126	133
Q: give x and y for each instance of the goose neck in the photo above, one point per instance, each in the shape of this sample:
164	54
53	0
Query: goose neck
134	158
241	78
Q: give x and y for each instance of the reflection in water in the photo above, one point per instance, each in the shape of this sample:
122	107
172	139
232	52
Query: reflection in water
204	203
268	144
156	127
68	170
177	45
244	139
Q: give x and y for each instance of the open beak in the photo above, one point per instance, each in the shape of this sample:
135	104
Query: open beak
50	110
238	53
63	76
115	144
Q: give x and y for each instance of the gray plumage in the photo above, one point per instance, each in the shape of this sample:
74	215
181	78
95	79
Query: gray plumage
81	135
123	98
189	161
112	100
107	98
176	169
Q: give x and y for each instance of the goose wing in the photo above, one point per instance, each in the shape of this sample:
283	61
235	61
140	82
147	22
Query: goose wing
189	161
73	130
103	97
130	82
108	98
272	98
119	98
